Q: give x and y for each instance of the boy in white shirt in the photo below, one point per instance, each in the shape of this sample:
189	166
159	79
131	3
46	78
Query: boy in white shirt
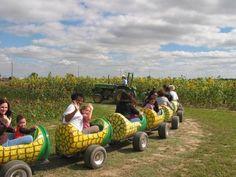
73	115
173	93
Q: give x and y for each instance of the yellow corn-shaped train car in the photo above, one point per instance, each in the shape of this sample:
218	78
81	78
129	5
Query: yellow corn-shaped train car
153	119
175	105
37	150
70	141
122	128
171	115
178	110
156	121
14	159
168	112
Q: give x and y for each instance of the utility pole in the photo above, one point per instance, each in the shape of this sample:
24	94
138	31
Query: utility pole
12	69
78	70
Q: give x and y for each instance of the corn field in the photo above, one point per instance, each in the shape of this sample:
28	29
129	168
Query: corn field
200	92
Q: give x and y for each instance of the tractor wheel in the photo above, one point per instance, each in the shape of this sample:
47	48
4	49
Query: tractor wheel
140	141
16	168
117	95
95	156
175	122
181	115
163	130
97	98
107	94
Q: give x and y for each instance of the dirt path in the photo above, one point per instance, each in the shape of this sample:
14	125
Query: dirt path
184	140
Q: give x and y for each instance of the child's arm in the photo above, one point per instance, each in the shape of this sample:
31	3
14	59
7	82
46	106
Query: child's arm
27	130
10	129
91	111
71	111
134	110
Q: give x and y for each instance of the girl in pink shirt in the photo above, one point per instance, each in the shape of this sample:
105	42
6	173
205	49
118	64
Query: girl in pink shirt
151	103
87	111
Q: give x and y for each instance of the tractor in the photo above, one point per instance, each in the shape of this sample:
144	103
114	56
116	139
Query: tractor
113	92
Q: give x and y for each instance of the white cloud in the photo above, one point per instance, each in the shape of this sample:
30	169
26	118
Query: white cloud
135	29
39	11
3	57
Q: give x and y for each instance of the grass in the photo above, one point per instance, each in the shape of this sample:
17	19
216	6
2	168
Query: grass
203	146
217	152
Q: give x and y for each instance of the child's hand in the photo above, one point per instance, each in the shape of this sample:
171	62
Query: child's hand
91	106
76	105
34	126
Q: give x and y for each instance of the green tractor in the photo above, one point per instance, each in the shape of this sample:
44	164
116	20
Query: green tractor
113	92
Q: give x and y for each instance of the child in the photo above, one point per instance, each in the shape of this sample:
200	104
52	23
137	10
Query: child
87	111
162	100
21	129
173	93
126	107
152	103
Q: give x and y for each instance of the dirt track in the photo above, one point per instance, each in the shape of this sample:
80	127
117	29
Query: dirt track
188	137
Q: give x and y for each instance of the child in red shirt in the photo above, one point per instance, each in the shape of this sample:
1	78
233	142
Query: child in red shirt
21	129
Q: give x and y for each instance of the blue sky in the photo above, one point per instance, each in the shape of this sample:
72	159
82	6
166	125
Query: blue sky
149	37
12	40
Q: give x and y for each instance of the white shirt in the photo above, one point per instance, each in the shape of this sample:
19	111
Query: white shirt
162	101
124	82
77	119
174	95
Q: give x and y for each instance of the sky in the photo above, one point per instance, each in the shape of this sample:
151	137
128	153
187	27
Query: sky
160	38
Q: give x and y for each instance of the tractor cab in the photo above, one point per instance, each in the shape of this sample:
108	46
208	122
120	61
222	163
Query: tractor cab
113	91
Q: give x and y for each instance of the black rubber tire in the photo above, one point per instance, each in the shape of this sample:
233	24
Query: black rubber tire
95	156
97	98
175	122
163	130
180	108
117	95
181	115
140	141
107	94
16	168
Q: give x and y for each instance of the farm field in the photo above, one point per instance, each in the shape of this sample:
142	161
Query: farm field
203	146
200	92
